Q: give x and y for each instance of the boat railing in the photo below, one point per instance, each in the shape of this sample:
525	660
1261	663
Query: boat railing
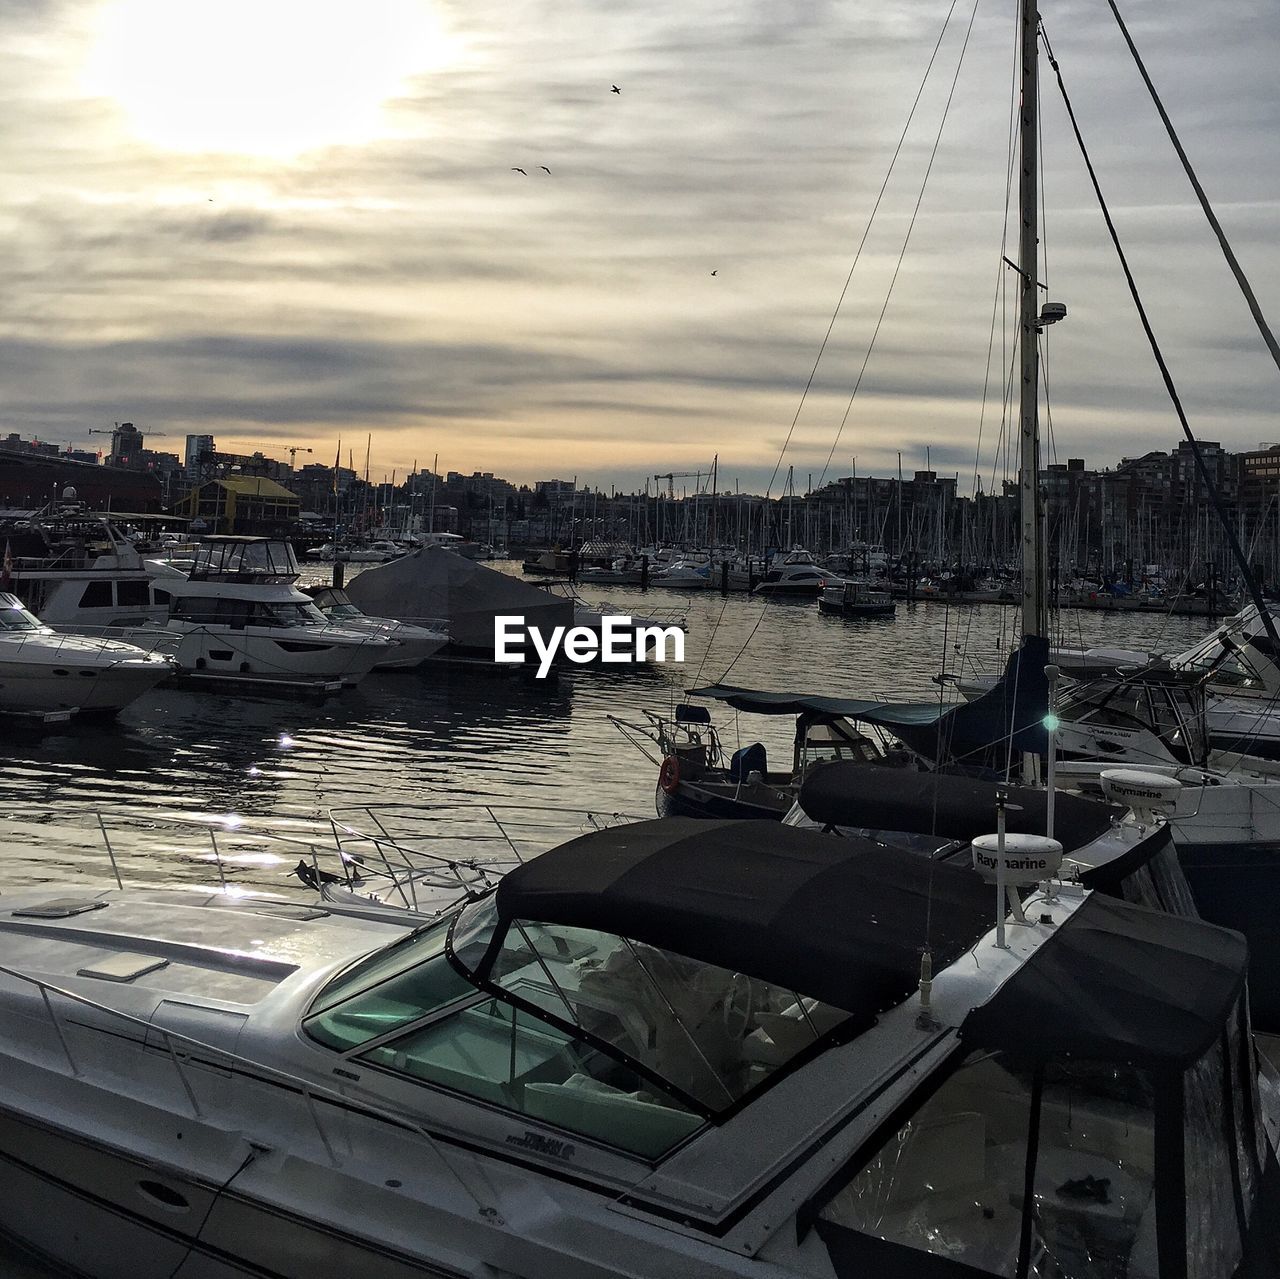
418	848
46	639
185	1051
420	857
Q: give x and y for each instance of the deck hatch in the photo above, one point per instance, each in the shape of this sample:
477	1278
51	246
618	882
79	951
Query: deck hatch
61	908
124	966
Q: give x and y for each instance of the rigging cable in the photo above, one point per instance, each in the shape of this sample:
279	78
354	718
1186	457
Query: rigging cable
1000	290
861	244
835	314
1237	551
1263	327
915	213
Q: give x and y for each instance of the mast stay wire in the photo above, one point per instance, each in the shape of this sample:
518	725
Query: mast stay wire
813	373
906	240
1254	306
999	300
875	208
1211	488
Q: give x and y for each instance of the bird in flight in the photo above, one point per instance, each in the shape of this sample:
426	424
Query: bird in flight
616	89
713	272
544	168
515	170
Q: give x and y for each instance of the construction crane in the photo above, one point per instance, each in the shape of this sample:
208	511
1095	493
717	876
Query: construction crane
672	476
293	451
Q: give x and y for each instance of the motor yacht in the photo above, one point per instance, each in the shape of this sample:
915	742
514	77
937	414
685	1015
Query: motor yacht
78	571
239	617
798	574
46	674
668	1049
413	643
855	599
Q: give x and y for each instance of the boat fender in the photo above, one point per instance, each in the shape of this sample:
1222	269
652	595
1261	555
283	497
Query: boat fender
669	775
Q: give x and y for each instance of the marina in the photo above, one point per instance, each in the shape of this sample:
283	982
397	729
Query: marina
835	875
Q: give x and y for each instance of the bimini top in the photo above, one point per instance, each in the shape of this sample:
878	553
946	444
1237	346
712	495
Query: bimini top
1119	983
845	793
841	920
758	702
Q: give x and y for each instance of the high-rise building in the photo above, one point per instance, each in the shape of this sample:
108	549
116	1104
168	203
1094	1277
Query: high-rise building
199	452
126	445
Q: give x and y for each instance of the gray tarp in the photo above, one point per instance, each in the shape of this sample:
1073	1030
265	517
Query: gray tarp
435	583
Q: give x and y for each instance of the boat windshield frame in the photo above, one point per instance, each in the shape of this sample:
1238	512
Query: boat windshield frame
266	561
477	937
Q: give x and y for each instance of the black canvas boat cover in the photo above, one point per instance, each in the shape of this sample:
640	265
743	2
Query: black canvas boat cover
758	702
1118	983
845	793
842	920
978	735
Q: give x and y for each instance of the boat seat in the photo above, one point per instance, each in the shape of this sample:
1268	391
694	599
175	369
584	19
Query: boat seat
686	714
748	760
778	1037
597	1109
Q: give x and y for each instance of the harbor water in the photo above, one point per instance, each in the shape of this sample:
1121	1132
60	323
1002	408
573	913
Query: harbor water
455	740
197	787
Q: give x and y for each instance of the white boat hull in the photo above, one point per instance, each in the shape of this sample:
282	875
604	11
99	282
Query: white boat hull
278	656
32	688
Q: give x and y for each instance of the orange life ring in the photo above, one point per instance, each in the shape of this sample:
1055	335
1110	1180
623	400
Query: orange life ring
669	775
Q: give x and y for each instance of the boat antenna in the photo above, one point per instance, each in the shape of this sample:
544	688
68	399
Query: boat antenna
1237	551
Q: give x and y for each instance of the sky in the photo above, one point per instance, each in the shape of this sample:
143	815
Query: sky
294	222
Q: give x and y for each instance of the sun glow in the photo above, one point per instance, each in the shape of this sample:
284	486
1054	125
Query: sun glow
261	77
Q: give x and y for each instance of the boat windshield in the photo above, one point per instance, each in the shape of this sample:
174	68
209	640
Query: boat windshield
628	1044
710	1034
13	617
288	614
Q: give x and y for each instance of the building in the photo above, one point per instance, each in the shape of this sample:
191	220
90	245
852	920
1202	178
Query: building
29	481
198	456
248	504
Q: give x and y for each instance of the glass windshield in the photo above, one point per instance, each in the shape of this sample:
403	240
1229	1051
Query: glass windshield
288	614
14	618
711	1034
407	1010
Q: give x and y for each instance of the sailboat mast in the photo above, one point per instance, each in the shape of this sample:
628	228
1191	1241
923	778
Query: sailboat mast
1035	608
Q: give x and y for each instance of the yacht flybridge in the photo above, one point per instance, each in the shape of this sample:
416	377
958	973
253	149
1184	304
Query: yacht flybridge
239	617
674	1048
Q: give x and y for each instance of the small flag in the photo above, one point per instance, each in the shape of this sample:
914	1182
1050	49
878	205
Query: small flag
337	462
7	575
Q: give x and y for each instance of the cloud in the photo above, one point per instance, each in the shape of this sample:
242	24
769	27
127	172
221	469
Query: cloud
413	286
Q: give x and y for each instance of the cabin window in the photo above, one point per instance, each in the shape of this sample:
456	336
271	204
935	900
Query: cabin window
212	612
97	595
159	595
712	1034
133	594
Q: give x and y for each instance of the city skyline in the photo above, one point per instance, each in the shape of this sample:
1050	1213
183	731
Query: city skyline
283	225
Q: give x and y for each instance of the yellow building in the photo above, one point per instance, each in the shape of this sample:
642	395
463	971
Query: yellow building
248	504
